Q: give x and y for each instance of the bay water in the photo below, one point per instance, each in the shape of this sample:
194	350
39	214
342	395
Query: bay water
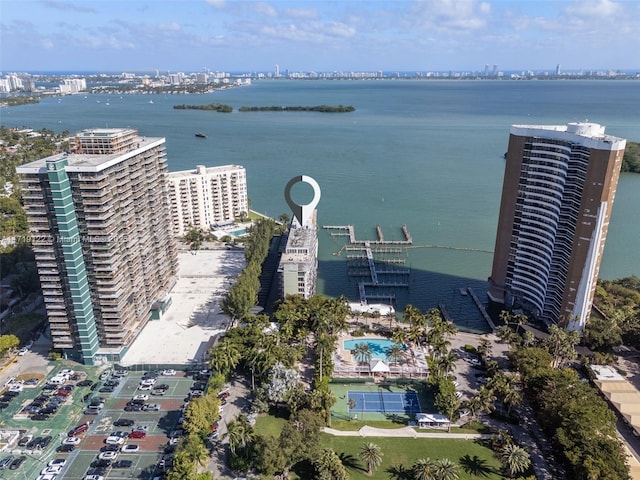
425	153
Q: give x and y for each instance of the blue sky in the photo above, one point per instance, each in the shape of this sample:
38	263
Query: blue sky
347	35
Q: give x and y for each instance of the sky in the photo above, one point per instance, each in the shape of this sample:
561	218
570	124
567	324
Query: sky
318	35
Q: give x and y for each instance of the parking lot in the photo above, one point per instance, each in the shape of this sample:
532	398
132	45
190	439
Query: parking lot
84	399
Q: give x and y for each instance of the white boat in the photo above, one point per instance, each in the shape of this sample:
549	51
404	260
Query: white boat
150	101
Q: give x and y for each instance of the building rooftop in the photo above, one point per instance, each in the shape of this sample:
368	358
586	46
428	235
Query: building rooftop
587	133
202	170
89	163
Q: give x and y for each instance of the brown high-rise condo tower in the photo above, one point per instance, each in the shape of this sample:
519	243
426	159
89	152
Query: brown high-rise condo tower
557	196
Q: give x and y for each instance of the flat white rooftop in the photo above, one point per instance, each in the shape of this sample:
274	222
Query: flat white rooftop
183	333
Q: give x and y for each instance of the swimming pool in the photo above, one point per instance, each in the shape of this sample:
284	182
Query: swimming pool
378	346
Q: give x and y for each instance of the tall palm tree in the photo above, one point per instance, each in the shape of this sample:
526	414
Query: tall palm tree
371	455
447	363
362	353
239	433
399	335
414	316
224	357
196	450
395	353
445	469
482	402
415	334
515	459
424	469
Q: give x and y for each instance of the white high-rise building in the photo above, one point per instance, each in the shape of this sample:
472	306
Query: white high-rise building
205	196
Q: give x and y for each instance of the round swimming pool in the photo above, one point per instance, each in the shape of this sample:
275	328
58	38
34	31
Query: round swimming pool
378	346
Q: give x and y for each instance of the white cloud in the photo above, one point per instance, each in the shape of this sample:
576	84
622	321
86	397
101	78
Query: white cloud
47	43
594	8
307	13
262	8
216	3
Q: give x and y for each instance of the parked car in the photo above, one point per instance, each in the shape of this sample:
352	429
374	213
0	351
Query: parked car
110	448
106	389
85	383
23	351
101	463
130	448
124	422
121	373
83	427
66	448
169	373
40	417
71	441
122	464
114	440
25	440
108	455
57	462
112	383
17	462
151	407
138	434
6	461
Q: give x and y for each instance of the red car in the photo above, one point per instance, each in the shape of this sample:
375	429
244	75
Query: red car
138	434
63	393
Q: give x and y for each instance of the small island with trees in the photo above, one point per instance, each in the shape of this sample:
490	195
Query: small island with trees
317	108
216	107
631	159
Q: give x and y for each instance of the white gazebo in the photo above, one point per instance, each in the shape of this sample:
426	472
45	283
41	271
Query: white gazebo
377	365
432	420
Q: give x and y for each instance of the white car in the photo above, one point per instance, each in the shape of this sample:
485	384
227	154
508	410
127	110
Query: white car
142	396
66	371
51	470
47	476
168	373
148	381
23	351
130	448
58	461
114	440
16	387
108	455
151	407
71	441
93	477
145	387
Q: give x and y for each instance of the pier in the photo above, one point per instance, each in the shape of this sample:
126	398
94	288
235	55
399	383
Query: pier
481	308
361	261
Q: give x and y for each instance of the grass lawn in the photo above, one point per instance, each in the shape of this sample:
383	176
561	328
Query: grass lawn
474	460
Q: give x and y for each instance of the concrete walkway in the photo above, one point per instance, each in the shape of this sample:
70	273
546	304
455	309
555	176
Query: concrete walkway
409	432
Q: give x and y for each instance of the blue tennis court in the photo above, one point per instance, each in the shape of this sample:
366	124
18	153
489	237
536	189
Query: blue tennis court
385	402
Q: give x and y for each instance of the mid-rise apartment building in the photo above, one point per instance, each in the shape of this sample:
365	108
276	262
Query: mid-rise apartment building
557	197
298	266
102	238
205	197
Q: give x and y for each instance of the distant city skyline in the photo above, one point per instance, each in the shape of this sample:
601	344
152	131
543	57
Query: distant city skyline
229	35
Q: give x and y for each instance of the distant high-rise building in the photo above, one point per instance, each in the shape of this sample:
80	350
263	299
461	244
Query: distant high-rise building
486	69
557	196
558	69
102	239
204	197
276	70
495	70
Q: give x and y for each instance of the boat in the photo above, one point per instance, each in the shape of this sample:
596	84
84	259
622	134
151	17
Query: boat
200	135
150	101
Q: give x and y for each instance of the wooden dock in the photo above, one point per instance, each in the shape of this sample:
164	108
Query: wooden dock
363	255
481	308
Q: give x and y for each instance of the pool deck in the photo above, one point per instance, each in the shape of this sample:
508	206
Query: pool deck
346	366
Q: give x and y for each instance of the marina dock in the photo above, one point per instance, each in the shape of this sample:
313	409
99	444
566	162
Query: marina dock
362	257
484	313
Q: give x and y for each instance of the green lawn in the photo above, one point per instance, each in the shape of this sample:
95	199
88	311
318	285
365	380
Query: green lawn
474	460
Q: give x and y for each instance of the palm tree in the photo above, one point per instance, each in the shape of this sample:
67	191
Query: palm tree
424	469
395	353
415	334
447	363
482	402
414	316
445	469
239	433
399	335
371	455
362	353
224	357
196	450
515	459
